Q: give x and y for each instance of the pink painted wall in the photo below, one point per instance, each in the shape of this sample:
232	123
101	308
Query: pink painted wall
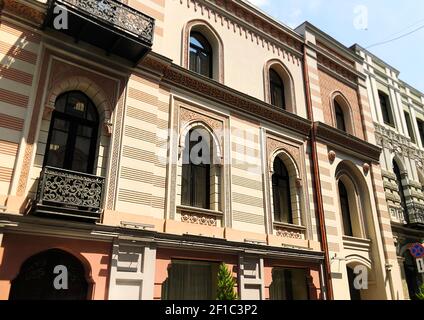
95	256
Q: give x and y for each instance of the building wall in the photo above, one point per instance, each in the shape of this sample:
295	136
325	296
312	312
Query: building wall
94	255
398	145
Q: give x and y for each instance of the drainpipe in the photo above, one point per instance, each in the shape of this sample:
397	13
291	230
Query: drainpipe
317	181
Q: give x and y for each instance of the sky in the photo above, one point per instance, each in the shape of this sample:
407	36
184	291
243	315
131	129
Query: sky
366	22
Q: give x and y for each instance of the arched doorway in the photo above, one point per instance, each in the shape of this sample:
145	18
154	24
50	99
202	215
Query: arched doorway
36	278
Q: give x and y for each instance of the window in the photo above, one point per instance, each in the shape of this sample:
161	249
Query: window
278	98
386	109
196	170
191	280
200	55
72	140
289	284
345	207
340	119
281	193
398	174
421	130
410	129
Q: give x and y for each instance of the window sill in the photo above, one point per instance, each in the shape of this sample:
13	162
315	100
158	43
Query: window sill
289	226
194	210
356	243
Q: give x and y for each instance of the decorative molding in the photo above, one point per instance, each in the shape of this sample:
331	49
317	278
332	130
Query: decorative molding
343	141
199	219
366	167
332	156
273	145
24	10
288	232
396	143
177	76
188	116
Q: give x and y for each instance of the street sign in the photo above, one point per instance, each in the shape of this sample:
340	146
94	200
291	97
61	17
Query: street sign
420	265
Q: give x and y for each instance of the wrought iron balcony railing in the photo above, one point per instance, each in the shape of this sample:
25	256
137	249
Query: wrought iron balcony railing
67	193
108	24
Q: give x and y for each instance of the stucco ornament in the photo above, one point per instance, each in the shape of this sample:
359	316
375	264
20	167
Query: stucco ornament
332	156
366	168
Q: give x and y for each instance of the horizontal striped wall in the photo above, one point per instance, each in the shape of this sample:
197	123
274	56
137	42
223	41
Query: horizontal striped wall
143	164
247	185
330	201
18	57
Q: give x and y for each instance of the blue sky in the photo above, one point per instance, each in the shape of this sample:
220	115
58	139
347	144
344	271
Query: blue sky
386	19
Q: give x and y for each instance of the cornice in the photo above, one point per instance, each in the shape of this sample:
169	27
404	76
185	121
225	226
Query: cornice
256	21
29	11
345	142
176	76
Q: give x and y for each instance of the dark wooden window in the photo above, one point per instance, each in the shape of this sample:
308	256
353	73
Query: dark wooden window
191	280
340	118
278	97
410	129
72	140
421	130
346	214
195	177
281	193
398	174
386	109
289	284
36	278
201	55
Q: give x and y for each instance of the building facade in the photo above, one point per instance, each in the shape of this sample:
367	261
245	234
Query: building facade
144	143
397	110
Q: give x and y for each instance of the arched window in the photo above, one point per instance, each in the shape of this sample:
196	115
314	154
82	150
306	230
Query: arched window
72	140
398	174
345	207
340	118
196	169
278	98
281	193
201	55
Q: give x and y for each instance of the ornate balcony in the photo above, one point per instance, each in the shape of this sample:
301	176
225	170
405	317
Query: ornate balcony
69	194
416	215
107	24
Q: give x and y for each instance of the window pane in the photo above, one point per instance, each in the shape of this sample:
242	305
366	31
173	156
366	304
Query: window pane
57	149
191	281
81	154
410	129
289	284
201	186
344	204
421	129
281	193
186	186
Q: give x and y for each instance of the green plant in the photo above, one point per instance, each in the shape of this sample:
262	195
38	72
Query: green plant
420	295
226	284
